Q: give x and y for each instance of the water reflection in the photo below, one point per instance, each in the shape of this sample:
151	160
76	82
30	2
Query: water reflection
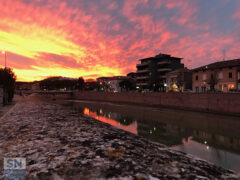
215	138
109	119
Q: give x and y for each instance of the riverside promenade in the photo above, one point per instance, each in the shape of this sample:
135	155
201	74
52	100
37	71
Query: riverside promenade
60	144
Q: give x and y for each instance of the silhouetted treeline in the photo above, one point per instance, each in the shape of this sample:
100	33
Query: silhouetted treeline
7	81
58	83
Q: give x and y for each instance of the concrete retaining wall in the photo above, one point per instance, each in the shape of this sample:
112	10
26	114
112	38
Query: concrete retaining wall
222	102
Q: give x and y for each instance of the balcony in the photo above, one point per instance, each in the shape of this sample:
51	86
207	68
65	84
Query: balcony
164	62
143	71
164	70
143	64
142	77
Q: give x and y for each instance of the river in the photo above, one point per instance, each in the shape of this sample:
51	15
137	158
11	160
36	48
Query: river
212	137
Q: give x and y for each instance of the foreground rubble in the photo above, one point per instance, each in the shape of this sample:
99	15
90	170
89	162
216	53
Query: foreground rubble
61	144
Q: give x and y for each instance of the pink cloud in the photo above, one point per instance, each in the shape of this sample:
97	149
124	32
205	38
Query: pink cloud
108	36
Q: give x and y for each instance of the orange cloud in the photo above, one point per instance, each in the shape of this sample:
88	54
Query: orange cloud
103	38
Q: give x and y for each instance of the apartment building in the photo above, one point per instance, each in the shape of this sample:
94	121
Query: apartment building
221	76
131	75
151	72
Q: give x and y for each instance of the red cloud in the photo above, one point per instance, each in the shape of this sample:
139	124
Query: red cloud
81	38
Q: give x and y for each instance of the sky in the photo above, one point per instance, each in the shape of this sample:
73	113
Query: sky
92	38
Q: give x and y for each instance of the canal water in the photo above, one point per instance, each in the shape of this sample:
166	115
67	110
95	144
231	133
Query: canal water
215	138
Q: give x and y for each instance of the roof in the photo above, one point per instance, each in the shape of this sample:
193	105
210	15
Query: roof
220	64
111	78
161	56
131	73
179	71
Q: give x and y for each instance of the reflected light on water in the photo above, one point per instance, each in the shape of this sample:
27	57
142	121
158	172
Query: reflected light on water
130	128
209	153
213	138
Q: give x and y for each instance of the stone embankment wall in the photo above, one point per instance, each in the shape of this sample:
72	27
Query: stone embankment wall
56	95
1	96
222	102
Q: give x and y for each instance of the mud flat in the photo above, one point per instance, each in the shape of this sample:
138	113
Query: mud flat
60	144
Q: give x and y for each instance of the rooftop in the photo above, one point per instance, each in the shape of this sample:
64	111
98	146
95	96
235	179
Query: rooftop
179	71
111	78
220	64
161	56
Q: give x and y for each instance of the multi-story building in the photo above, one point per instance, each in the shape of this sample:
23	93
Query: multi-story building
131	75
151	72
179	80
221	76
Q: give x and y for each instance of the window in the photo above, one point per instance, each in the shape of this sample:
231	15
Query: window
196	77
204	89
220	75
204	76
230	75
212	76
197	89
230	86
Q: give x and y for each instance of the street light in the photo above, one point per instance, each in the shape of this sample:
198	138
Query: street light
3	52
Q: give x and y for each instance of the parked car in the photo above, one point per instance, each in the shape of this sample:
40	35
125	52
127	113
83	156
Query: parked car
214	91
234	90
187	91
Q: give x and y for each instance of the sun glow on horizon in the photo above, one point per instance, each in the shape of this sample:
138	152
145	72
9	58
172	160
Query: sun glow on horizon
107	38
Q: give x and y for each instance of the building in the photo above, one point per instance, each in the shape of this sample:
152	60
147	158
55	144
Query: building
221	76
132	75
110	84
27	85
151	72
179	80
35	86
23	86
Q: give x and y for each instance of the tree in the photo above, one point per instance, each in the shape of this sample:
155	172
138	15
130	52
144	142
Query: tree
7	80
212	81
56	83
80	83
127	84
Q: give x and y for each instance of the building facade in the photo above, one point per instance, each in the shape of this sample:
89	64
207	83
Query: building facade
110	84
151	72
219	76
179	80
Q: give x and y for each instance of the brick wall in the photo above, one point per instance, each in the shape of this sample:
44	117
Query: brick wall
222	102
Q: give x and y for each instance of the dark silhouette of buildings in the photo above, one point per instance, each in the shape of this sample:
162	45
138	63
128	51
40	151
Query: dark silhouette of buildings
151	72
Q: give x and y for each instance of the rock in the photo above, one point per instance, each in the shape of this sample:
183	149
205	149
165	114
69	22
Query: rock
59	144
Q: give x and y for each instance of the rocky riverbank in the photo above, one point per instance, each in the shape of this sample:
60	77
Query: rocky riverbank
60	144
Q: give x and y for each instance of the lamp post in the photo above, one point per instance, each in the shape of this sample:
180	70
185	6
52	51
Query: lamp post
5	54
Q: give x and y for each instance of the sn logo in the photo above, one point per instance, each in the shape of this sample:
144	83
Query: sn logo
14	163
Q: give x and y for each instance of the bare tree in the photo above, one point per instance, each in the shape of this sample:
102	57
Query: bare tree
213	80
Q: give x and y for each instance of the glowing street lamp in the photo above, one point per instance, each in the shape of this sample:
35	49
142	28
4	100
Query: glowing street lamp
3	52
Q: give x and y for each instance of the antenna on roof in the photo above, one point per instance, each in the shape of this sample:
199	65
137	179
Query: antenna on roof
224	54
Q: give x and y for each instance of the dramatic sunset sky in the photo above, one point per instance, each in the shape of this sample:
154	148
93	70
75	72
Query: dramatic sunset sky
92	38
